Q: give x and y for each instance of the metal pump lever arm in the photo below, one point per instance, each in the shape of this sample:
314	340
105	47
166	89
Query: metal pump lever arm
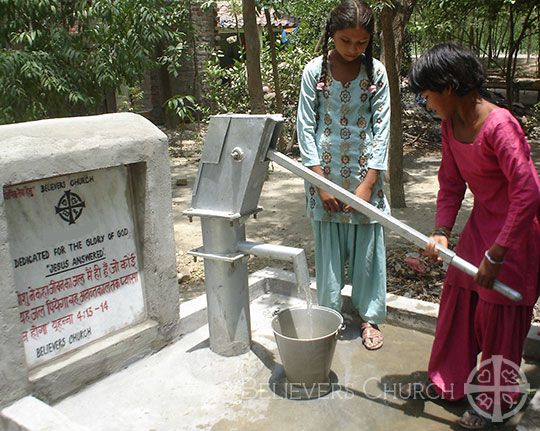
390	222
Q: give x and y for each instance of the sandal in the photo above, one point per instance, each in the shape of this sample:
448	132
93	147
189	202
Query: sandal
472	420
372	337
419	391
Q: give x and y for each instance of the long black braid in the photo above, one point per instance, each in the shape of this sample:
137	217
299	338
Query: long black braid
348	14
324	66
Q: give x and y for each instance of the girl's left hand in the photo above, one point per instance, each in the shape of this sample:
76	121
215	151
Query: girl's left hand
487	274
488	271
363	191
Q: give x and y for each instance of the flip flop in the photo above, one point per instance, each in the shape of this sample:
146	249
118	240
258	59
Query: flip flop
419	391
372	337
471	420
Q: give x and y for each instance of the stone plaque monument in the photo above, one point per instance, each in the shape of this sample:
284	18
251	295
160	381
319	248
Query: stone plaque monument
87	276
73	245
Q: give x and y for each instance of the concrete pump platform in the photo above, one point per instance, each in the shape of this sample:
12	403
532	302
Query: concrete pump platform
186	386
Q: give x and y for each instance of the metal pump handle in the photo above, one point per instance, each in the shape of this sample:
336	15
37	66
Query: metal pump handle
390	222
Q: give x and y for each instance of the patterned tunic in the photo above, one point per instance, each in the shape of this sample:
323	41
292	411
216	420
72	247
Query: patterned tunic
498	169
345	129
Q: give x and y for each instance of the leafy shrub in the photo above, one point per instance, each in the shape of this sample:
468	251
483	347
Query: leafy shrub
183	108
59	57
227	86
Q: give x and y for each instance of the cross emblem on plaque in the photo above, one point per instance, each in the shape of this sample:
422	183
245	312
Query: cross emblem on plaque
69	207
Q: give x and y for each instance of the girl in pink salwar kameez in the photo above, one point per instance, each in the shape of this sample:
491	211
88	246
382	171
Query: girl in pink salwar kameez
484	149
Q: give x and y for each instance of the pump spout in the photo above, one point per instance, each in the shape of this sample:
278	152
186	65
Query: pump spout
280	252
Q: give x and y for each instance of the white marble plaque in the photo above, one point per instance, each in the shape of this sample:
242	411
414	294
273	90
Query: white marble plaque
72	241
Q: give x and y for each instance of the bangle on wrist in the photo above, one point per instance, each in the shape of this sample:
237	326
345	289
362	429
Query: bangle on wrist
440	231
491	260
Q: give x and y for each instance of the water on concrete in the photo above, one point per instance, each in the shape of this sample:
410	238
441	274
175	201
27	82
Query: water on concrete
186	386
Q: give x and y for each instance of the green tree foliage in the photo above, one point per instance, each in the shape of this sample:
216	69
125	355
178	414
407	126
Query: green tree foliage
481	25
312	16
227	86
496	30
59	57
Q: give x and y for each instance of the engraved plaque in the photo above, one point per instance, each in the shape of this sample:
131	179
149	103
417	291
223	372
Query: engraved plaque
73	245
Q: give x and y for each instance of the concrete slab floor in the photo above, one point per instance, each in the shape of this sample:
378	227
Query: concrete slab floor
186	386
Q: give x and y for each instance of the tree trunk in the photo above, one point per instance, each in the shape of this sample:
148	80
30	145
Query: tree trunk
529	44
479	38
538	51
490	42
166	94
275	73
273	56
509	60
397	192
513	49
110	101
195	62
403	11
471	38
253	57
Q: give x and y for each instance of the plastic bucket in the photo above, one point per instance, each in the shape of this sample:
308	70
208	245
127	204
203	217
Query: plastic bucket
306	342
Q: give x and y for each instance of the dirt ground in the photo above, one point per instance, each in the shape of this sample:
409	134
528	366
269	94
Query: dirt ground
283	221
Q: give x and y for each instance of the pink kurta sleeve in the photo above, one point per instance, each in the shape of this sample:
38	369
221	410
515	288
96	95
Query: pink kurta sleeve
452	186
513	155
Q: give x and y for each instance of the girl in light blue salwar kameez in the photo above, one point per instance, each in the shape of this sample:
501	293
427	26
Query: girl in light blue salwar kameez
343	132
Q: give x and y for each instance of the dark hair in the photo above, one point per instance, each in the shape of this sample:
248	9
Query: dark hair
447	65
349	14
